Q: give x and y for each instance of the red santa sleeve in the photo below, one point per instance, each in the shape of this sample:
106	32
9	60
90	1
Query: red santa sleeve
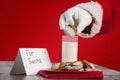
111	9
104	13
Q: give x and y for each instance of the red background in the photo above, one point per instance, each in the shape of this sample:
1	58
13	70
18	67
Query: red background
35	24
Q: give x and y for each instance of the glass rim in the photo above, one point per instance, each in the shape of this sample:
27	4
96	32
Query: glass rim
70	38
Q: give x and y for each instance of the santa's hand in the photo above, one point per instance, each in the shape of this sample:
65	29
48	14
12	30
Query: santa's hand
80	17
75	16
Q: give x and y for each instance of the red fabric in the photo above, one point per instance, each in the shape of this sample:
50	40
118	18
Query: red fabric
35	23
71	74
111	18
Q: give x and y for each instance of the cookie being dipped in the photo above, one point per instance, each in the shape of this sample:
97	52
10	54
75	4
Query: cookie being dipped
70	30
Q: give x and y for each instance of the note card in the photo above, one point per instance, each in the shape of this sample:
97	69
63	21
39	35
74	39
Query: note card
30	60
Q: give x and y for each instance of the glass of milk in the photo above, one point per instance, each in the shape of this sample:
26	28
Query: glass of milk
69	48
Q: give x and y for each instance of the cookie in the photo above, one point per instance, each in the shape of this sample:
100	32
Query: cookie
73	27
90	65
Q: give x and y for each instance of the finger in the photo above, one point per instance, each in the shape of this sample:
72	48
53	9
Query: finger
69	18
85	20
69	31
83	35
93	33
81	26
62	22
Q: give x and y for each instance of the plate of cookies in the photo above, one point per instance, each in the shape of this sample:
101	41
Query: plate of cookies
75	69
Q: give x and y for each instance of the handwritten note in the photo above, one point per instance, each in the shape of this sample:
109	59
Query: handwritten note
30	60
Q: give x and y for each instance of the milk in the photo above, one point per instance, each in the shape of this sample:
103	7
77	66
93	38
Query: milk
69	48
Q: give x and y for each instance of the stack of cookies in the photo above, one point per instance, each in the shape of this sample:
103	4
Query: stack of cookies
75	65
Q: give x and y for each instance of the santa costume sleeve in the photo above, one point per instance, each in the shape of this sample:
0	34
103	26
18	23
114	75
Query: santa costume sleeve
105	15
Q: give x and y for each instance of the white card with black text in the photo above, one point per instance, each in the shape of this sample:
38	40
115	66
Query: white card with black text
30	60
